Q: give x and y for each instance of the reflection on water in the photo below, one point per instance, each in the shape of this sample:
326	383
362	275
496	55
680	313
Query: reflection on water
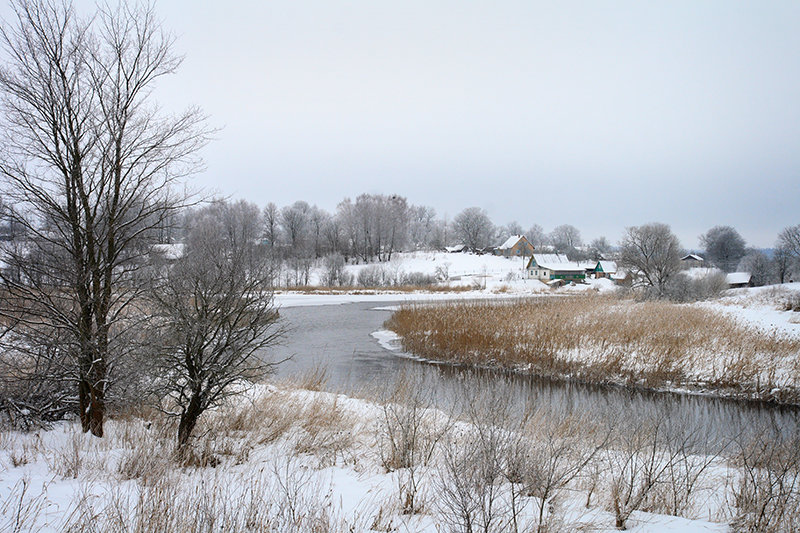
338	336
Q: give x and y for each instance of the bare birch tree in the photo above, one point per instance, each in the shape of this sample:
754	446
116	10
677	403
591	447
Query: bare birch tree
89	164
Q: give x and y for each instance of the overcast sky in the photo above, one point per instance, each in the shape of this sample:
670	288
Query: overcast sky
600	114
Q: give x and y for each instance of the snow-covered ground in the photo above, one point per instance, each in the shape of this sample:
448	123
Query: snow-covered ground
474	276
761	306
302	459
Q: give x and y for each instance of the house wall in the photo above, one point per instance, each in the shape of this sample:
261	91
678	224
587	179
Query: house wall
571	276
539	273
523	247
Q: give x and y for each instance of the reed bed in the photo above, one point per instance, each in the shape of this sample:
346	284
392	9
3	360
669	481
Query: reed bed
603	339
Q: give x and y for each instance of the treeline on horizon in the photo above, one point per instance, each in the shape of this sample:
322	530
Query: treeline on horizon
374	227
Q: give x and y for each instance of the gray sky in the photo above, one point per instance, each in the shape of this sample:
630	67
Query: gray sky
599	114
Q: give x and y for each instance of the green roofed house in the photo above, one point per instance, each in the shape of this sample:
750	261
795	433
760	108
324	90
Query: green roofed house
605	269
548	267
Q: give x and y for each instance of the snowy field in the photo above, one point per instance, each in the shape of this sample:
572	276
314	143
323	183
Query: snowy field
471	276
316	462
286	459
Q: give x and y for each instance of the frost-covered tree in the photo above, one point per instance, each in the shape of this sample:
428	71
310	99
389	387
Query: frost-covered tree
759	266
473	227
271	221
566	238
295	226
599	248
651	253
723	246
536	236
512	228
421	227
375	225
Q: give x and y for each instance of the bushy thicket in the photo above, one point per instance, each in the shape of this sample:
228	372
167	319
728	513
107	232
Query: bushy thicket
385	276
684	288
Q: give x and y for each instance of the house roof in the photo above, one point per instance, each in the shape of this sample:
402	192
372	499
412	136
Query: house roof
456	248
609	267
562	267
586	265
738	278
510	242
692	256
538	259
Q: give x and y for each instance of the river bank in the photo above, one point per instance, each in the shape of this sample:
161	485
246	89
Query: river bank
289	459
721	348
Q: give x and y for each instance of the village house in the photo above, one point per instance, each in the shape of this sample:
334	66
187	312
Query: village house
605	269
692	261
548	267
515	246
738	280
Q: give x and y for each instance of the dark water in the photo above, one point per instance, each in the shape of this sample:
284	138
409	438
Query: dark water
338	337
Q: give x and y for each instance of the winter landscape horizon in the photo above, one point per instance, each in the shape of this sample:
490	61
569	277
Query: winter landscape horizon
418	267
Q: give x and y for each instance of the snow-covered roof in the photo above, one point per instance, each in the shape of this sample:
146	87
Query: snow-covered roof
538	259
510	242
562	267
586	265
694	257
169	251
738	278
609	267
456	248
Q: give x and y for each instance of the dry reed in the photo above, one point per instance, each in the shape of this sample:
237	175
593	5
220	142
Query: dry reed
601	339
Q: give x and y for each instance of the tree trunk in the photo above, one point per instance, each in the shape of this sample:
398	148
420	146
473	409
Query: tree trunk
91	402
188	422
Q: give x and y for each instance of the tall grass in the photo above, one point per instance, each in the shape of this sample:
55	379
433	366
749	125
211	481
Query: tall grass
603	339
489	464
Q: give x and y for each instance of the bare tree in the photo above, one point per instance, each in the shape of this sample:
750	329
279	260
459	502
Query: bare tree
512	228
782	263
760	267
332	234
422	225
536	236
724	246
789	239
318	219
375	225
566	238
651	252
473	227
89	164
214	311
295	222
599	248
787	254
271	224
